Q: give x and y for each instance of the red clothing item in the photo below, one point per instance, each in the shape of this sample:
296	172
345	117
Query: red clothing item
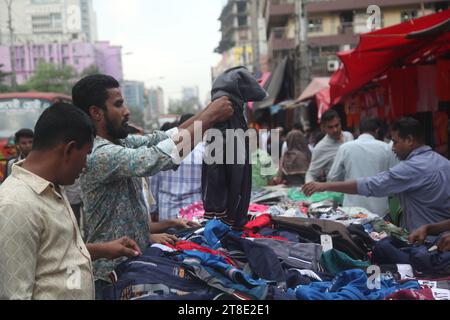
258	208
260	222
404	88
191	246
443	79
249	234
425	294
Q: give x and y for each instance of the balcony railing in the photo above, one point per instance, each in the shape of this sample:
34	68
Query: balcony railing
347	28
278	40
279	11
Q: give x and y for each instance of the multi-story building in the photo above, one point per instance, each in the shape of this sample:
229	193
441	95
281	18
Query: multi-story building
134	94
88	20
190	93
236	46
156	105
80	55
46	21
335	25
281	29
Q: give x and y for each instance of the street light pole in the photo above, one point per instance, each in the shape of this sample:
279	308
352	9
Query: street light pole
302	31
11	47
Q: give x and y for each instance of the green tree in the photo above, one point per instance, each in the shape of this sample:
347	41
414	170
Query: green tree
3	76
182	107
52	78
89	71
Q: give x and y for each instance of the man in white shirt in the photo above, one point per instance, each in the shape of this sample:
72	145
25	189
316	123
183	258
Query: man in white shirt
364	157
325	151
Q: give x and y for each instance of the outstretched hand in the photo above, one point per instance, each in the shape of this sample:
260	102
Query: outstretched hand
419	236
444	243
123	247
184	224
163	238
313	187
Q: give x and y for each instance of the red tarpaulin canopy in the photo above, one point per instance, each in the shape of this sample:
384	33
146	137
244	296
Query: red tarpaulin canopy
408	43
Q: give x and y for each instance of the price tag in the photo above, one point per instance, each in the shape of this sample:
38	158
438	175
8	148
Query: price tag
327	243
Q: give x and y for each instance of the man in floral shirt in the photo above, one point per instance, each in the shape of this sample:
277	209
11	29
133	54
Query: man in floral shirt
111	185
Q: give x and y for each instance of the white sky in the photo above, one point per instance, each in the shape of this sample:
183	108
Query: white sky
174	39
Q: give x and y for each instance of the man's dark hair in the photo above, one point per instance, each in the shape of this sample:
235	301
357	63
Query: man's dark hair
24	133
329	116
185	117
408	126
370	125
62	123
168	125
93	91
298	126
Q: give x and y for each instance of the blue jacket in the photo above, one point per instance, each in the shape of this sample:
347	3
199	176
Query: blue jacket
155	276
351	285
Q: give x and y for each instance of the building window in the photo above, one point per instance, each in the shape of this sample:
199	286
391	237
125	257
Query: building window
47	23
243	35
408	15
315	25
242	21
278	33
242	7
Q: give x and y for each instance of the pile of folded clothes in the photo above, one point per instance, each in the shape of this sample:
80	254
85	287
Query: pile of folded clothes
282	258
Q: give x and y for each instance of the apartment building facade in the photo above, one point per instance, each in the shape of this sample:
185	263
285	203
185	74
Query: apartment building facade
156	105
134	94
80	55
335	25
46	21
236	45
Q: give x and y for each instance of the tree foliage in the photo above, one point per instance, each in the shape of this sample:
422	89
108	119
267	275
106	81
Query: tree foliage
183	106
52	78
3	76
89	71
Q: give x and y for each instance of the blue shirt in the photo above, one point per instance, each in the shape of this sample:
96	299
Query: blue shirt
422	183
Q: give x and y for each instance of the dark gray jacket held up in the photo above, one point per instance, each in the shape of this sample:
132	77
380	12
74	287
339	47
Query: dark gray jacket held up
226	187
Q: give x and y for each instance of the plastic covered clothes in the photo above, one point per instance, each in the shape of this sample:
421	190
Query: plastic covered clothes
194	212
296	195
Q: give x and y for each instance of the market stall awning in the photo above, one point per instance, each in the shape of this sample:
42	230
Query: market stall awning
408	43
316	85
323	102
273	86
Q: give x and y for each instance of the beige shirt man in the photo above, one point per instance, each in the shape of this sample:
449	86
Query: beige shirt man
42	255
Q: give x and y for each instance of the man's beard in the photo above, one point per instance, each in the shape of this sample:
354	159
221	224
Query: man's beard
116	133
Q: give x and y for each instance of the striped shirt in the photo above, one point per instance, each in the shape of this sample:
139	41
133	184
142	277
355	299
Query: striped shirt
174	190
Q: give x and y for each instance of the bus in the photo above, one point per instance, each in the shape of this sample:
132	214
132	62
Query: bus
21	111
